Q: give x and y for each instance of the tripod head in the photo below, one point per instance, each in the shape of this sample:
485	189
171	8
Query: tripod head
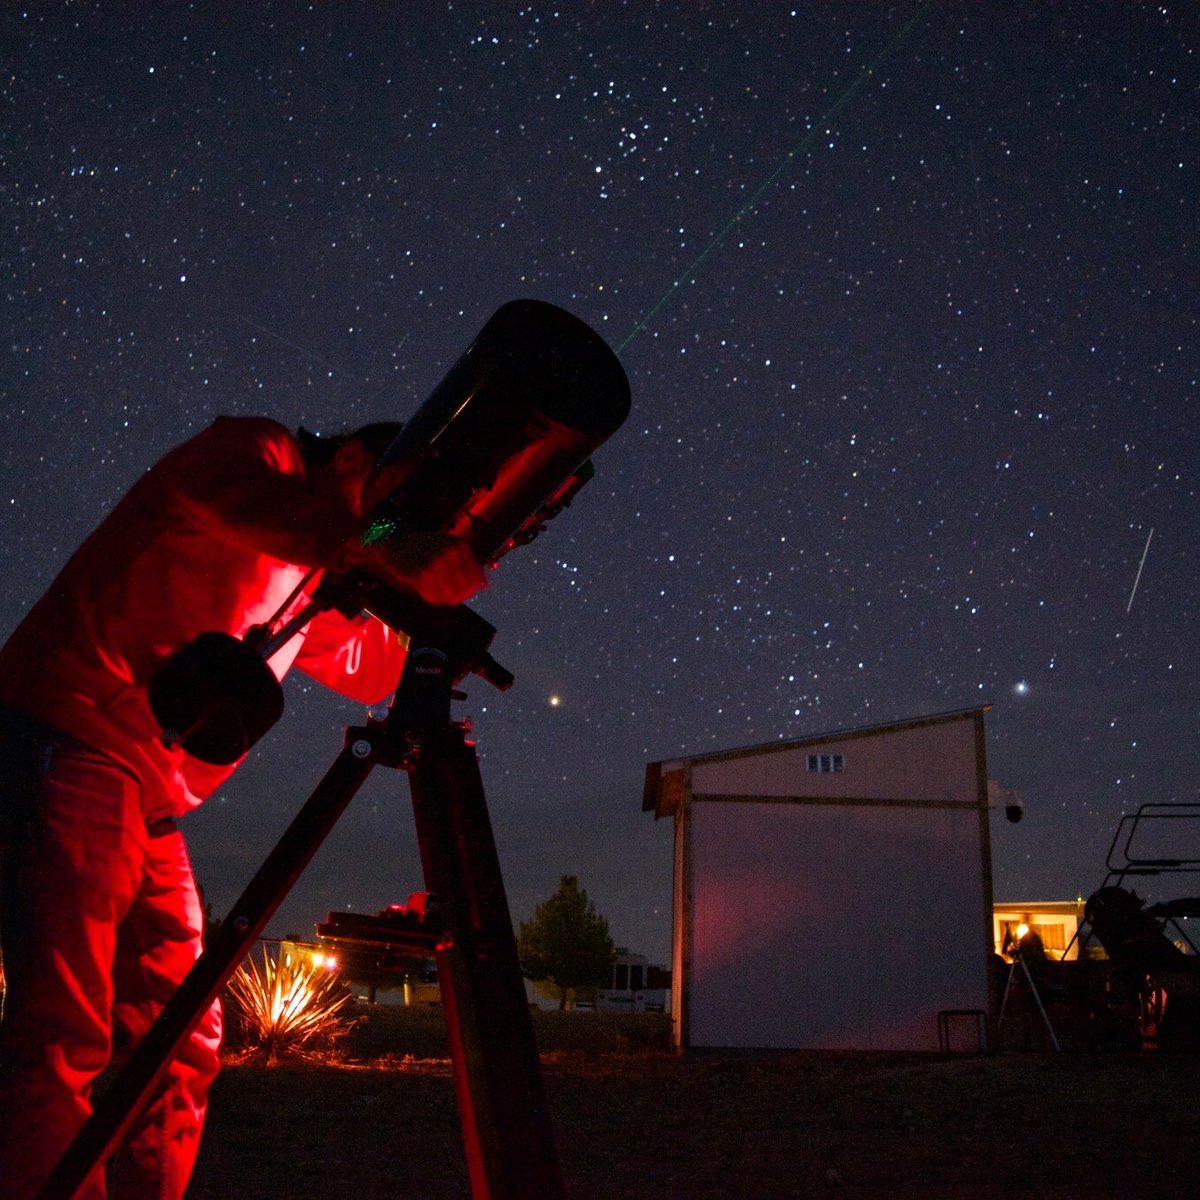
459	633
498	449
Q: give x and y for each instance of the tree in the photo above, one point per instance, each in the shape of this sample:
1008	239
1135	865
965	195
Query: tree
566	942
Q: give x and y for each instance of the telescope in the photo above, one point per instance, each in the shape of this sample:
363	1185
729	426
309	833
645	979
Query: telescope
503	442
499	448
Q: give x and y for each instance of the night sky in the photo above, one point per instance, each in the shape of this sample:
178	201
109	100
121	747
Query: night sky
907	299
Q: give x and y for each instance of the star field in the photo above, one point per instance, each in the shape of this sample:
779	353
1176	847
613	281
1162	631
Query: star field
906	296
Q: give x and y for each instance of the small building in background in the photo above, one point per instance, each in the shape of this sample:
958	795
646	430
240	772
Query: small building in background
1056	922
833	892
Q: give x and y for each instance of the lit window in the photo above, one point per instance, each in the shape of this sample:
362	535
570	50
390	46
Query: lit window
1053	936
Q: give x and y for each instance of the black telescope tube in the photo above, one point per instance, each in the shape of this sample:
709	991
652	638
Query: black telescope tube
523	408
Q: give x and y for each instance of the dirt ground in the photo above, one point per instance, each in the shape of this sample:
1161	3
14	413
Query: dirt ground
632	1119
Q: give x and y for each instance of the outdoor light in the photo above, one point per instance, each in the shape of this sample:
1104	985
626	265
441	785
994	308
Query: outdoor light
1007	799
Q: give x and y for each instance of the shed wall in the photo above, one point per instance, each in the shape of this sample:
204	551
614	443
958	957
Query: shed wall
929	762
833	925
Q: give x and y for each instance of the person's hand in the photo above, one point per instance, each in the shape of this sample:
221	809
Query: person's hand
441	570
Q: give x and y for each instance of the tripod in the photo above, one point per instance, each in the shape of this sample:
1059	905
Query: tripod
510	1146
1018	960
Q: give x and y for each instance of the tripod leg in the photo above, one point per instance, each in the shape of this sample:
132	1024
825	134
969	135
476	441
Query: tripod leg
131	1087
1041	1008
511	1151
1004	1000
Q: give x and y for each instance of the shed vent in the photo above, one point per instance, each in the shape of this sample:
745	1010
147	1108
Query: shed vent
826	764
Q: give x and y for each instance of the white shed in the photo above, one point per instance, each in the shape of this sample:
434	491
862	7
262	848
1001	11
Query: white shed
833	892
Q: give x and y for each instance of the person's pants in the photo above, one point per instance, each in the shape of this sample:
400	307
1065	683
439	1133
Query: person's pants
99	922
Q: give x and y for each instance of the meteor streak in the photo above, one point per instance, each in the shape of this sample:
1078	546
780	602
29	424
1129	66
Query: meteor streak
1138	577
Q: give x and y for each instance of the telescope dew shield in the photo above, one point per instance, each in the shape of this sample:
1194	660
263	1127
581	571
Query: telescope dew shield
515	417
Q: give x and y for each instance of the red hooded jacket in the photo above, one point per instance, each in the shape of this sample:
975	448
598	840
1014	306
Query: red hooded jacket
203	541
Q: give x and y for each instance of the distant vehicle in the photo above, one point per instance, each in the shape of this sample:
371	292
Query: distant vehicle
635	986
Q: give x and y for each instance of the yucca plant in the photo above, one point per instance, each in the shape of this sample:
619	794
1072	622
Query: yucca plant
288	1007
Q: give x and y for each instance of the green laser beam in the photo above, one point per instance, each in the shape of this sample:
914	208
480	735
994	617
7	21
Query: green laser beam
719	237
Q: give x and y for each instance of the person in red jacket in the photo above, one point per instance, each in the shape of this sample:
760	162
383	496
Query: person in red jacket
99	914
